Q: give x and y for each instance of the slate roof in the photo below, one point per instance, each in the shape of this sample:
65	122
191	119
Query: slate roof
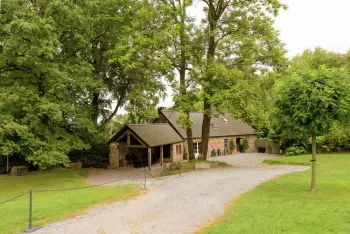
152	135
220	126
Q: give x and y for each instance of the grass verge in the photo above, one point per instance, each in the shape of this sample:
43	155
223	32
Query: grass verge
285	204
189	166
52	206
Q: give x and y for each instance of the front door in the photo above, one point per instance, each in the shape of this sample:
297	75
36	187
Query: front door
226	152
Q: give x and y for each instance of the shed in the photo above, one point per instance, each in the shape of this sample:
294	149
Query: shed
140	144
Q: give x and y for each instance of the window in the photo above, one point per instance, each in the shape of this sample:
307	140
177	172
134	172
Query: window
180	149
177	149
195	147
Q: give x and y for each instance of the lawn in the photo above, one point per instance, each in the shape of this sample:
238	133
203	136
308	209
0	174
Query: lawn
189	166
285	204
52	206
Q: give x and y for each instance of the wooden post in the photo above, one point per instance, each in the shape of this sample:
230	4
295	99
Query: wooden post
149	158
128	138
161	155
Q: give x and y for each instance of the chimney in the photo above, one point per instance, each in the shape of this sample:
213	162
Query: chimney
160	109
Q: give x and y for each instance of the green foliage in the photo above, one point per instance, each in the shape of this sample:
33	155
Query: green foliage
245	143
232	144
313	101
218	152
335	141
44	93
213	153
295	151
313	59
185	152
95	157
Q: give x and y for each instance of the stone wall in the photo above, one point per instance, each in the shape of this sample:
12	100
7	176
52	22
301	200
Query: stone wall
271	147
177	156
219	142
113	156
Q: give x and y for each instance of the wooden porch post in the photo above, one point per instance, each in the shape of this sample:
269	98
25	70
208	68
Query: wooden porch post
149	158
161	155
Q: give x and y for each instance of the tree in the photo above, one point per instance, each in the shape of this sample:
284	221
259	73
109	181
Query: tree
313	102
43	109
241	42
181	52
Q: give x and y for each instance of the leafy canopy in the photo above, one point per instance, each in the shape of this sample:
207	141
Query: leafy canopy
313	101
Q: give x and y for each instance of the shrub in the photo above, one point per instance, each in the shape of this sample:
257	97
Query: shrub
296	150
213	153
218	152
97	156
185	152
245	143
232	144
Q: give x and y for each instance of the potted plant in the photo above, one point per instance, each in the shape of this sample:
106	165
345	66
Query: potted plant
232	146
218	152
213	153
245	144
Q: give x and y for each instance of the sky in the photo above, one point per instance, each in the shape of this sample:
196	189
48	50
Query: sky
305	25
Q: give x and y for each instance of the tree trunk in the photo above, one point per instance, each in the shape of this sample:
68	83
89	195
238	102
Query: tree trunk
182	71
212	18
190	143
313	180
95	107
205	130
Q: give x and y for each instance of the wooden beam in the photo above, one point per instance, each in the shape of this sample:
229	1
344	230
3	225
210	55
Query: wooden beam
149	158
161	155
128	138
134	146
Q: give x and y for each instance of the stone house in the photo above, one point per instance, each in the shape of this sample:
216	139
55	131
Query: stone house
222	130
165	141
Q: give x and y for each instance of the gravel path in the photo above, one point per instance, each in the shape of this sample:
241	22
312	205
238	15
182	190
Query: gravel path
177	204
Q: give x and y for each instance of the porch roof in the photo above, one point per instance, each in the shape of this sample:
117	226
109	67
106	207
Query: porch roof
151	135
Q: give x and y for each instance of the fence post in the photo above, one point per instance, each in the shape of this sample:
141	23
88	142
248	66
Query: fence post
30	228
144	185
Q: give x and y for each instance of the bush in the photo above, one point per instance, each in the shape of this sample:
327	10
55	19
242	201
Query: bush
232	145
213	153
296	150
218	152
245	143
97	156
185	152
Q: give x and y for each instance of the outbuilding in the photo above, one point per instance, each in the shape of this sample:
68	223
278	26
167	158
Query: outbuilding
139	145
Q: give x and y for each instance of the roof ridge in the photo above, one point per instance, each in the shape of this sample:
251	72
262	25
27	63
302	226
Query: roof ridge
147	124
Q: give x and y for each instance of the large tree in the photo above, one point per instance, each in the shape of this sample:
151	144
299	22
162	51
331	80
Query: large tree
241	42
312	102
183	52
43	109
67	67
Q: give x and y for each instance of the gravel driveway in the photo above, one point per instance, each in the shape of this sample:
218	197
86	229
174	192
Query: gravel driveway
177	204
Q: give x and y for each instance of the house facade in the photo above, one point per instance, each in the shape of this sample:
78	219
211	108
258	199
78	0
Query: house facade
165	141
223	129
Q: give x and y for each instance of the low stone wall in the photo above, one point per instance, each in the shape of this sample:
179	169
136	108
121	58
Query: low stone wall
177	156
113	156
271	147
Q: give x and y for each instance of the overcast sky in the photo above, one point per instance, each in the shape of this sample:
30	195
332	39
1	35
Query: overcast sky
307	24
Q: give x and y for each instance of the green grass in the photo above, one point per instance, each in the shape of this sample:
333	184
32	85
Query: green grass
286	205
189	166
52	206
